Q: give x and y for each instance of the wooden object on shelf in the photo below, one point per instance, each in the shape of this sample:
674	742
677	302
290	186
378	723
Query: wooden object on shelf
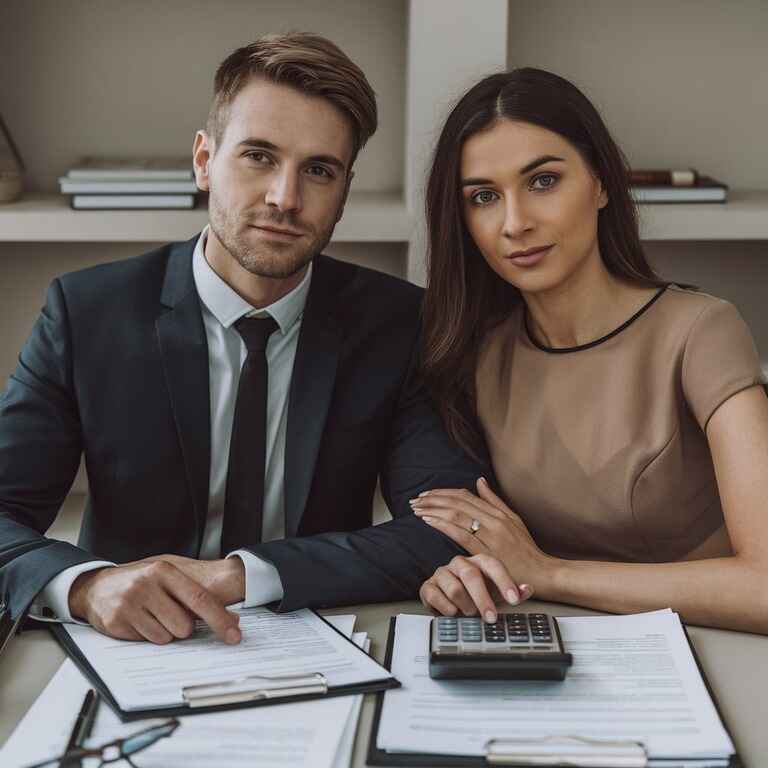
11	166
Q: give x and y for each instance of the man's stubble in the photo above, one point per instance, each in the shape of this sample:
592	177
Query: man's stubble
274	260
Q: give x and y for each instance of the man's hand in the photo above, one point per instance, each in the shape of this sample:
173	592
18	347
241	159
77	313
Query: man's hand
224	579
149	600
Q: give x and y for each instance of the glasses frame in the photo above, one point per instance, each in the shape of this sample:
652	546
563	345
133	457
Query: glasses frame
73	756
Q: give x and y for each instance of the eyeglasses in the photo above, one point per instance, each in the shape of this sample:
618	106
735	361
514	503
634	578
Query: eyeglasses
119	749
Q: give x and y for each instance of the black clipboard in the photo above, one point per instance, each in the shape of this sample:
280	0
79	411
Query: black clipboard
275	697
378	756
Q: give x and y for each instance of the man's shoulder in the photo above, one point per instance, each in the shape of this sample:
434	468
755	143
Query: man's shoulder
367	287
123	272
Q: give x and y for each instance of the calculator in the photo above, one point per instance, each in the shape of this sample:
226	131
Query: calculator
517	646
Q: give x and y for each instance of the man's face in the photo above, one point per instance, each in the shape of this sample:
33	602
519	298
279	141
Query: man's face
278	179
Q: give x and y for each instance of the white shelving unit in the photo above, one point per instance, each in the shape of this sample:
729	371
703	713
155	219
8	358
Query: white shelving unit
368	217
83	90
743	217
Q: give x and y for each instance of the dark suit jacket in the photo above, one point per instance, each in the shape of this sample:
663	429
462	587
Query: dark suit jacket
116	368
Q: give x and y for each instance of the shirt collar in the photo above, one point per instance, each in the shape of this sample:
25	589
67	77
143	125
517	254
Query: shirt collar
227	306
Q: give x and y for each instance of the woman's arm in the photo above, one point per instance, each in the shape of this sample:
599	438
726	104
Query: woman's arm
730	592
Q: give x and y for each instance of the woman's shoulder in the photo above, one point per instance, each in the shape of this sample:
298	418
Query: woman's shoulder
685	308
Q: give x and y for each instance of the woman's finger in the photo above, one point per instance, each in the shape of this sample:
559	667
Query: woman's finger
496	572
455	511
433	599
462	497
451	586
492	499
473	543
472	578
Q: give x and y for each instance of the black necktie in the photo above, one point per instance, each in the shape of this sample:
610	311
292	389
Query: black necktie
247	448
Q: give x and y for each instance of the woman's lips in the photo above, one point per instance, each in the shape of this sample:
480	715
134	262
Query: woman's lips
531	258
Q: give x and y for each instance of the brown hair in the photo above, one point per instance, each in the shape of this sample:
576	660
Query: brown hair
464	296
309	63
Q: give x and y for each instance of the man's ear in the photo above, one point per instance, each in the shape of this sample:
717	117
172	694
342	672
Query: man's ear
340	213
202	151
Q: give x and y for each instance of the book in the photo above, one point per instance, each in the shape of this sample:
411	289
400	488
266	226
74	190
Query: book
92	186
106	202
128	168
706	190
663	178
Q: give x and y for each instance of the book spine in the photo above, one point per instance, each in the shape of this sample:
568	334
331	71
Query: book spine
665	178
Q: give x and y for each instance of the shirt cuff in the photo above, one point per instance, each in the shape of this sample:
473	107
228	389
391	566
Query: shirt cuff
52	604
262	581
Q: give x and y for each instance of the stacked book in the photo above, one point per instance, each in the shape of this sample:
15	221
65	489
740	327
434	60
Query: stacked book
686	186
99	183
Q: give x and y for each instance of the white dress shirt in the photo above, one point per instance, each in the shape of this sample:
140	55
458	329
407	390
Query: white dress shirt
221	307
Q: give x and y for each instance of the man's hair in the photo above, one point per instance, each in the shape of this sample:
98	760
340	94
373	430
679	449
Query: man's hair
309	63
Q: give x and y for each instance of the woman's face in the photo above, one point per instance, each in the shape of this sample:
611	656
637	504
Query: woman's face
530	204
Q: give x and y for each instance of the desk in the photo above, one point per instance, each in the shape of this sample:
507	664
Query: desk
734	663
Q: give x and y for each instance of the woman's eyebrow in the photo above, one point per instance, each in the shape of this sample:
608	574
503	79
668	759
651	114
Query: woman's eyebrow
476	181
540	161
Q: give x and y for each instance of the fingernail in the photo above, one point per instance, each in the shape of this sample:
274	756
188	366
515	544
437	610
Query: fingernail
423	493
414	502
490	617
232	636
527	588
512	597
483	480
429	520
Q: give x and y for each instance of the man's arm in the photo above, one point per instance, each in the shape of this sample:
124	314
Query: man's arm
388	561
40	447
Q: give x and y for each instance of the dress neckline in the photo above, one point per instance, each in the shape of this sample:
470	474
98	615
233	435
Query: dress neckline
590	344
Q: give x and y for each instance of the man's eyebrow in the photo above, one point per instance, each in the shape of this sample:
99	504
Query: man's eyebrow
264	144
474	181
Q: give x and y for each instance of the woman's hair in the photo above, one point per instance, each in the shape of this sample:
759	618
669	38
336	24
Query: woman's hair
307	62
464	296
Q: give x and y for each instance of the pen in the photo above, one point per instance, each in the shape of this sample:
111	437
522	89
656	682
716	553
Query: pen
82	726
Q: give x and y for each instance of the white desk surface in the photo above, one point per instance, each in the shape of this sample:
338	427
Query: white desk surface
735	664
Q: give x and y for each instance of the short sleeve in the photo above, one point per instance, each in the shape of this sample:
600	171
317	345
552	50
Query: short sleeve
720	359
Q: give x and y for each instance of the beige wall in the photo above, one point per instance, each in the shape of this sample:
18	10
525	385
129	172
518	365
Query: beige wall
87	77
679	83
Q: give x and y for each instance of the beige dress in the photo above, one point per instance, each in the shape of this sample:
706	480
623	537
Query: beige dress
601	448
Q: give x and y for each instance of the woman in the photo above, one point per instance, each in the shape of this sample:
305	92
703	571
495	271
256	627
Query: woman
624	416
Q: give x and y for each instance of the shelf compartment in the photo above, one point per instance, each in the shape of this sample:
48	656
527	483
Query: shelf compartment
368	217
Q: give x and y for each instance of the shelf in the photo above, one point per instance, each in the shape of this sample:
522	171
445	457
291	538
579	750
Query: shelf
369	217
743	217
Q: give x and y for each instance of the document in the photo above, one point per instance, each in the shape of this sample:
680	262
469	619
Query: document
633	678
141	675
312	734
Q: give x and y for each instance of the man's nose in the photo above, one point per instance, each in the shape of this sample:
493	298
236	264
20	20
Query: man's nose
517	218
284	192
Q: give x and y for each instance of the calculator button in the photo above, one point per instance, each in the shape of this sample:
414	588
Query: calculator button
472	639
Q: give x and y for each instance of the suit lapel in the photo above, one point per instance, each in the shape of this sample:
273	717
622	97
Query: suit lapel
184	351
312	381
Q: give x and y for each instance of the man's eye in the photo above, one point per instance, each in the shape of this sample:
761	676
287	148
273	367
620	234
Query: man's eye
319	171
546	180
483	197
258	157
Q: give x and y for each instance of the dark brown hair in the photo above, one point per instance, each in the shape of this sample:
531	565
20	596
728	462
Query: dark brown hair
465	297
310	63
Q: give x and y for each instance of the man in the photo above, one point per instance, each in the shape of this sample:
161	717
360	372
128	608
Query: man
236	397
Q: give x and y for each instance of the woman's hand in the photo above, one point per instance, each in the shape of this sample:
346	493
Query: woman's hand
462	586
485	525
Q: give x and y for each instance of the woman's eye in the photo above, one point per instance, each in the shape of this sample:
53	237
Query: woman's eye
544	181
483	197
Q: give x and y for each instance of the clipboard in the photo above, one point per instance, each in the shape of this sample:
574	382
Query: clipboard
531	753
251	691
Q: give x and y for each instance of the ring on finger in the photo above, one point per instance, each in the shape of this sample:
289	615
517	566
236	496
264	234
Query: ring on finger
475	527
